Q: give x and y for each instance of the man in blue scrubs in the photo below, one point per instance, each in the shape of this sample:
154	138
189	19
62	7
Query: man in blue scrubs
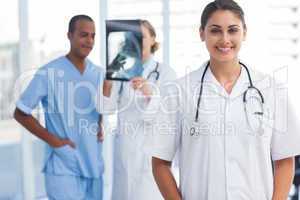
66	88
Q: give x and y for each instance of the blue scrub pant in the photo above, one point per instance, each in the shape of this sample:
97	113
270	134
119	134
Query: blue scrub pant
73	188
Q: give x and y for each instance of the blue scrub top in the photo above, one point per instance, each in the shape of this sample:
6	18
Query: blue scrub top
67	98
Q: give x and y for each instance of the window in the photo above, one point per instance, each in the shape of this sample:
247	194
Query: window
284	22
10	159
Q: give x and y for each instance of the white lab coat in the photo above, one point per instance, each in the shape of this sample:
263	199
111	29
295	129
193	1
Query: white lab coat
226	158
132	170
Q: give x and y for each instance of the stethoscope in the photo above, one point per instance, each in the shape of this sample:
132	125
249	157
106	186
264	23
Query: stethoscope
260	97
154	72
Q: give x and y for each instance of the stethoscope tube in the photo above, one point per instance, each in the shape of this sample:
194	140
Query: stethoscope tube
251	86
155	71
244	94
200	94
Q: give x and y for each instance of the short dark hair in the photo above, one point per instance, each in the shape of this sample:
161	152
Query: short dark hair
216	5
74	19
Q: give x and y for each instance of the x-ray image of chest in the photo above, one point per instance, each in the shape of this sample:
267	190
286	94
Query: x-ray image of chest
124	55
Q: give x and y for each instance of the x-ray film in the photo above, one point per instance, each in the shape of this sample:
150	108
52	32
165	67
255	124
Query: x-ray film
123	49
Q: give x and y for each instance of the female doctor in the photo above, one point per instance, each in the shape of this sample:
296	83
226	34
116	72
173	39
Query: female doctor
227	122
132	172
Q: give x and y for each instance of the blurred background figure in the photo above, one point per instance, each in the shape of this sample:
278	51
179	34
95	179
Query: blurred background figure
132	172
65	87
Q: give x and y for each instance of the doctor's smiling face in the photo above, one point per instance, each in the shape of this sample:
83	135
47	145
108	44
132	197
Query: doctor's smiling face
81	35
223	35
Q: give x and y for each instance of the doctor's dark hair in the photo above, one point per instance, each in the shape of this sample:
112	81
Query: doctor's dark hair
216	5
74	19
152	32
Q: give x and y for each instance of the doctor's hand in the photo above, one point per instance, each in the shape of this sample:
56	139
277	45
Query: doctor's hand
139	83
63	142
107	85
100	134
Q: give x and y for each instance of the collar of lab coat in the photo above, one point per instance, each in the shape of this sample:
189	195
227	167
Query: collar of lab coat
211	84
